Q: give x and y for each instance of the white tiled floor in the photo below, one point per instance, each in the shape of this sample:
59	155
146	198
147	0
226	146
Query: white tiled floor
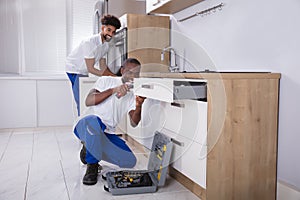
43	163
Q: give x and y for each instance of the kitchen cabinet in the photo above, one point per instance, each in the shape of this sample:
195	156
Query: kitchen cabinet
187	126
168	6
238	160
18	103
35	102
85	86
152	119
146	37
50	104
184	120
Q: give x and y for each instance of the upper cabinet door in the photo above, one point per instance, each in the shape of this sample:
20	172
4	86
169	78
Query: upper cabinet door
168	6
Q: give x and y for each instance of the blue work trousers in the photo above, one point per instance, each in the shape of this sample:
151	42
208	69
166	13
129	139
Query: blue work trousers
74	78
101	145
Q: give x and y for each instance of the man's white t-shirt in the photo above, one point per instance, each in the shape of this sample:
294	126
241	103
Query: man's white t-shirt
92	47
112	109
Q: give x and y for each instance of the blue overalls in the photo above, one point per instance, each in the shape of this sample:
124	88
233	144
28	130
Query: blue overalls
101	145
74	78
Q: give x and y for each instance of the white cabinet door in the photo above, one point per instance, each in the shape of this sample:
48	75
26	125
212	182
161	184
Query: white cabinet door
190	159
186	124
54	103
152	120
187	118
18	103
85	85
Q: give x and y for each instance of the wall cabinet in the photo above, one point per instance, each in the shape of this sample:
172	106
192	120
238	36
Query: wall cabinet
168	6
146	37
239	158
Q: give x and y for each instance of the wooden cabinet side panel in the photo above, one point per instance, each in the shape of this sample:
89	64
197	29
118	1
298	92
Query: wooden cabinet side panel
147	36
242	156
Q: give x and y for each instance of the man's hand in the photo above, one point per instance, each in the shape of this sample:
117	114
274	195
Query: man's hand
121	90
139	101
135	115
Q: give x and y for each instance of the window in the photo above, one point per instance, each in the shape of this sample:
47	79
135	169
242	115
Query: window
37	35
44	35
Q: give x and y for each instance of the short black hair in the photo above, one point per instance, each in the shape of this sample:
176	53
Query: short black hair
111	20
131	60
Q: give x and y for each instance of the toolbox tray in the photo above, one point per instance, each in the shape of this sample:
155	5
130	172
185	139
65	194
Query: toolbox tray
143	181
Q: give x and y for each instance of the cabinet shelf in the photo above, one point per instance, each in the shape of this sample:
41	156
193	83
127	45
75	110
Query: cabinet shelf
168	6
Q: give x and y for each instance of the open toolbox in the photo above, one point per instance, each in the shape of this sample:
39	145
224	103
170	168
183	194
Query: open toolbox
143	181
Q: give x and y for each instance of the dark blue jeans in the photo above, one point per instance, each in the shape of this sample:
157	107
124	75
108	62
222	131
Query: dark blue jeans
74	78
101	145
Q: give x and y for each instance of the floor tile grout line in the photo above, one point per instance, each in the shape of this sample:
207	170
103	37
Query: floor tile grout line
29	167
26	184
65	181
61	165
10	135
57	142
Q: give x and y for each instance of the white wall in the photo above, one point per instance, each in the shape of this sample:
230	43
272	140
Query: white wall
254	36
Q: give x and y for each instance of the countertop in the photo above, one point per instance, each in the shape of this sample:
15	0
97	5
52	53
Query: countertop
213	75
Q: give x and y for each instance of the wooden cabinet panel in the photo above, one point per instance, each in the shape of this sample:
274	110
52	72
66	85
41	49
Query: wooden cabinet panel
147	36
243	158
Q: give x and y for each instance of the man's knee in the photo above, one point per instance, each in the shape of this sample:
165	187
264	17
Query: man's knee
129	162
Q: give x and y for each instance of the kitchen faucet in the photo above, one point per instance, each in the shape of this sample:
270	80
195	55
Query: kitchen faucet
172	68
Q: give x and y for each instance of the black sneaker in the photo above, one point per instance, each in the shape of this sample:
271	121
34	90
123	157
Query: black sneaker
91	174
83	154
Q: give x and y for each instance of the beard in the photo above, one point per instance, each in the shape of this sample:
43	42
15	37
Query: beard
107	37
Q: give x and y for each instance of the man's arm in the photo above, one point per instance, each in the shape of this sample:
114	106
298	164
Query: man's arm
135	115
104	71
104	67
95	97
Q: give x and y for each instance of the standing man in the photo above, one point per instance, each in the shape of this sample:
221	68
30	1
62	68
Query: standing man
89	52
110	101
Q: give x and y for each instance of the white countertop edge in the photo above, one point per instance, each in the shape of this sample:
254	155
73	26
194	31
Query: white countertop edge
34	77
